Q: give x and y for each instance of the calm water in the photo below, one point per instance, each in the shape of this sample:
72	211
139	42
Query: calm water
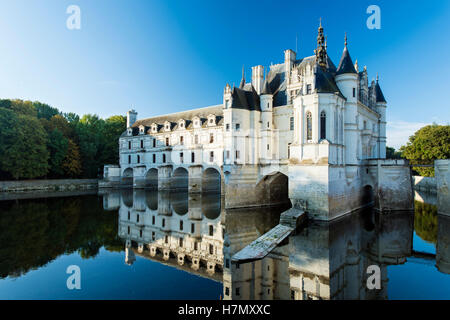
144	244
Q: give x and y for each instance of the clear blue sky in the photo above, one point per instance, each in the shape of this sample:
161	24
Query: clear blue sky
167	56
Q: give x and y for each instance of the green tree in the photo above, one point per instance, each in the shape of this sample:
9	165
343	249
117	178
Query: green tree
57	146
44	110
72	161
391	153
23	151
426	145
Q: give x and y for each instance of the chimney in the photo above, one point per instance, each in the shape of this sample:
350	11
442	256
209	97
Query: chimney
258	78
131	117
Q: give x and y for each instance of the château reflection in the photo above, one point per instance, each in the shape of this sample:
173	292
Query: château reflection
319	261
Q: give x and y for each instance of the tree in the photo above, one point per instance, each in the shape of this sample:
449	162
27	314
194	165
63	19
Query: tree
391	153
44	110
72	161
57	146
426	145
23	145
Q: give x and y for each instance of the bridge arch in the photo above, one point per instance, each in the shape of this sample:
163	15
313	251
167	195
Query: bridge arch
151	178
180	179
275	188
211	180
127	177
368	196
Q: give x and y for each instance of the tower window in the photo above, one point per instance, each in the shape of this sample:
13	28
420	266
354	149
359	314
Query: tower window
354	92
129	144
211	156
181	225
167	142
323	125
268	124
308	126
228	126
164	158
182	140
237	154
211	230
181	157
153	220
192	157
308	89
138	159
192	228
154	143
129	158
154	158
291	123
211	138
238	126
142	144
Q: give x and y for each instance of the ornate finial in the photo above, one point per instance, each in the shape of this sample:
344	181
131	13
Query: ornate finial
320	22
242	84
345	39
356	65
377	76
321	51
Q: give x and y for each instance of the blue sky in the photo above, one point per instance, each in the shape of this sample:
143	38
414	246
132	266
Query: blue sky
167	56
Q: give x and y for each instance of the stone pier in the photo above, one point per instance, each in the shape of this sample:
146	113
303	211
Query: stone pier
442	174
164	177
195	179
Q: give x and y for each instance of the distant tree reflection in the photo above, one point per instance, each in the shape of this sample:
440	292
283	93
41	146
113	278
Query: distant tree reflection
425	221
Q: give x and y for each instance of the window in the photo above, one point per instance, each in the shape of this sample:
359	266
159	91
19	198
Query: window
211	249
182	140
163	223
211	138
211	156
268	147
291	123
153	220
192	228
354	92
227	102
196	139
142	144
140	233
181	157
181	242
227	263
167	142
166	239
193	157
129	158
154	143
138	159
164	158
153	235
195	246
237	154
238	292
228	126
308	126
365	124
154	158
227	291
137	218
292	294
228	154
129	144
181	225
323	125
308	89
129	215
238	127
268	124
128	229
211	230
182	125
211	121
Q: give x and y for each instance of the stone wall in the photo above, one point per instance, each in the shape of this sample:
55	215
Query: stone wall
48	185
426	184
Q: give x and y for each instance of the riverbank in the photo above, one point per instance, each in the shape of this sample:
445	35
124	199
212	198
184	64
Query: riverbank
48	185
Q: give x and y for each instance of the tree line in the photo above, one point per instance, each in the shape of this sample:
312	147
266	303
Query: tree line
39	141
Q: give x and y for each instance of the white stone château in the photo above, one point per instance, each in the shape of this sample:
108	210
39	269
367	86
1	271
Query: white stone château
307	127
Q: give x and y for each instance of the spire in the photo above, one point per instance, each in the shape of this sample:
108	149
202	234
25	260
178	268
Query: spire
378	93
321	51
346	64
241	86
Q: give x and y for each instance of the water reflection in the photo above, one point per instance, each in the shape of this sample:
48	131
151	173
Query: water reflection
320	261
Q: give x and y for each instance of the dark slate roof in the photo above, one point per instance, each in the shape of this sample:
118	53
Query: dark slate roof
245	99
346	64
324	81
277	84
202	113
379	94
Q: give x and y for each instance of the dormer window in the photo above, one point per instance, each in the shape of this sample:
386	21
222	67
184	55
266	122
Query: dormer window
141	129
130	131
181	124
154	128
196	121
211	120
167	126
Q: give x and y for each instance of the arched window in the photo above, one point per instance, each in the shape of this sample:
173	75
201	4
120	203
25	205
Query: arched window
323	125
308	126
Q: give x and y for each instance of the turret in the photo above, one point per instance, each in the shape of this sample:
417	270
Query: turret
131	117
380	105
289	60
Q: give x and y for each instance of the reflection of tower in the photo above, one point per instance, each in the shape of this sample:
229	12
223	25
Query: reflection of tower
130	258
443	244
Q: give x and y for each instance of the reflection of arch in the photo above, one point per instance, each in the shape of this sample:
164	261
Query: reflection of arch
368	196
151	200
211	180
274	187
179	202
211	205
127	176
127	197
151	178
180	178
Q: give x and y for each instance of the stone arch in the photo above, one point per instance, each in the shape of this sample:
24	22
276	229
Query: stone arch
368	196
180	179
151	178
127	177
274	188
211	180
